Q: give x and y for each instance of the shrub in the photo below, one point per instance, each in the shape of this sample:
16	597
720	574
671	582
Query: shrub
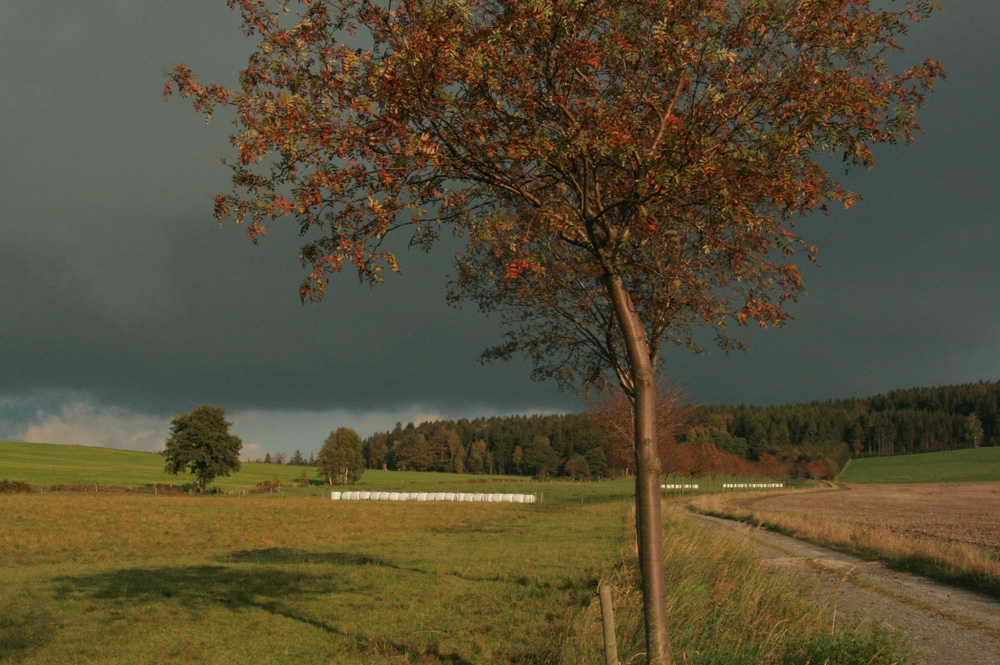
11	486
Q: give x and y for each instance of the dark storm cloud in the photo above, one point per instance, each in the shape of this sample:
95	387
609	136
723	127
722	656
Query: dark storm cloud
118	284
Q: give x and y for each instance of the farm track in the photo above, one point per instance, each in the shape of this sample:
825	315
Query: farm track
947	626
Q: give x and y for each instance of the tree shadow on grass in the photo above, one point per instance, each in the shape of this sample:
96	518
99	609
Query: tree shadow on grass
21	636
287	555
262	587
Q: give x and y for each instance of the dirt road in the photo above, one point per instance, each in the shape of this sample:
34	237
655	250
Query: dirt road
947	626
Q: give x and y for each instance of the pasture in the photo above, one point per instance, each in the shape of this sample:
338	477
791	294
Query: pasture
952	466
293	577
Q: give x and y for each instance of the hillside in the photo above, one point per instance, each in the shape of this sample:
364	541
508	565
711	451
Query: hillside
52	464
952	466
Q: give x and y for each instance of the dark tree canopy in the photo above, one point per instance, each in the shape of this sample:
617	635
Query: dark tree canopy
200	442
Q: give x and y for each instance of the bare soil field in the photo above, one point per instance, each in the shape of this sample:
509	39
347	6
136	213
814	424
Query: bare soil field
955	512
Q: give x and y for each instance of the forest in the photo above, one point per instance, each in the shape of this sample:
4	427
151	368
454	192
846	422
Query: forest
812	439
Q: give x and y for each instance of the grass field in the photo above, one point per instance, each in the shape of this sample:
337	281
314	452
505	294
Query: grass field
954	466
44	465
290	578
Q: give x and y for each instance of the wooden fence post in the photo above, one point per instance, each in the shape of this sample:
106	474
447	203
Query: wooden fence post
608	620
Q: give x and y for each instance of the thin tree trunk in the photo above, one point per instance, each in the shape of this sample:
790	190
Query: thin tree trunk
648	518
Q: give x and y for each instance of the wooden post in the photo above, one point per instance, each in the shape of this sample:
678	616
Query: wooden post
608	621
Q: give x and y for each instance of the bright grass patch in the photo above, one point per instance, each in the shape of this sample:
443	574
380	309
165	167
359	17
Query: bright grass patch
952	466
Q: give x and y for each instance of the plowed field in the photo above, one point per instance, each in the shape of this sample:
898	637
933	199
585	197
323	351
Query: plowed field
959	512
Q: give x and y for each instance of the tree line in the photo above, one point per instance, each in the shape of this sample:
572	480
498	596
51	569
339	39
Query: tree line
812	439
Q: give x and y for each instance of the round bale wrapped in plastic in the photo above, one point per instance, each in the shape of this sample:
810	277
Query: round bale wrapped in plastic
508	498
478	496
530	498
421	496
496	497
518	498
449	496
393	496
335	496
439	496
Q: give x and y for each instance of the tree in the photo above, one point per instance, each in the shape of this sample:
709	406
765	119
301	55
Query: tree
540	459
972	430
340	460
200	442
626	173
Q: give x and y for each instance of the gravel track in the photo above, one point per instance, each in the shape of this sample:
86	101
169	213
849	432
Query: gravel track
947	626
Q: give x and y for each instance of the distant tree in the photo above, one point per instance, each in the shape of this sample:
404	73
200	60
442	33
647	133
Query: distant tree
478	462
304	479
540	459
415	452
597	461
577	467
375	449
200	442
517	457
267	458
340	460
297	459
973	430
279	458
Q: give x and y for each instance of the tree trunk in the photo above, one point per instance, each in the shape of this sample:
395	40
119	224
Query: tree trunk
649	529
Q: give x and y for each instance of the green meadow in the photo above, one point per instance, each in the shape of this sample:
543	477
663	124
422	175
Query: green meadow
953	466
293	577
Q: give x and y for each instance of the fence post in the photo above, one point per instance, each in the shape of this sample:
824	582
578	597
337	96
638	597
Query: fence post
608	621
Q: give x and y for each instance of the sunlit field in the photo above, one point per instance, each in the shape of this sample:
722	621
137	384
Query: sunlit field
292	577
146	579
952	466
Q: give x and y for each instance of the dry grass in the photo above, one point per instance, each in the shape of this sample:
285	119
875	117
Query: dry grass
954	562
725	609
142	579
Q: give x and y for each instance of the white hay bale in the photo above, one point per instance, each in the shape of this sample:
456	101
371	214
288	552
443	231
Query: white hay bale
496	497
478	497
421	496
508	498
518	498
335	496
405	496
530	498
393	496
449	496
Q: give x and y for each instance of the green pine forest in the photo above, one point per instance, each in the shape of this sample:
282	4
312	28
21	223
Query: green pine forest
812	439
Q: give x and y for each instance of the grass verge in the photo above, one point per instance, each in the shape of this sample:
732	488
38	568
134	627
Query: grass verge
960	564
725	609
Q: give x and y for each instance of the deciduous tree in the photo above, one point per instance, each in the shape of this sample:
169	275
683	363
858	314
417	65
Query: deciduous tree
625	172
200	442
340	460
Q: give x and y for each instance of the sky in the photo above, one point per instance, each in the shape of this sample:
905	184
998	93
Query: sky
123	303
